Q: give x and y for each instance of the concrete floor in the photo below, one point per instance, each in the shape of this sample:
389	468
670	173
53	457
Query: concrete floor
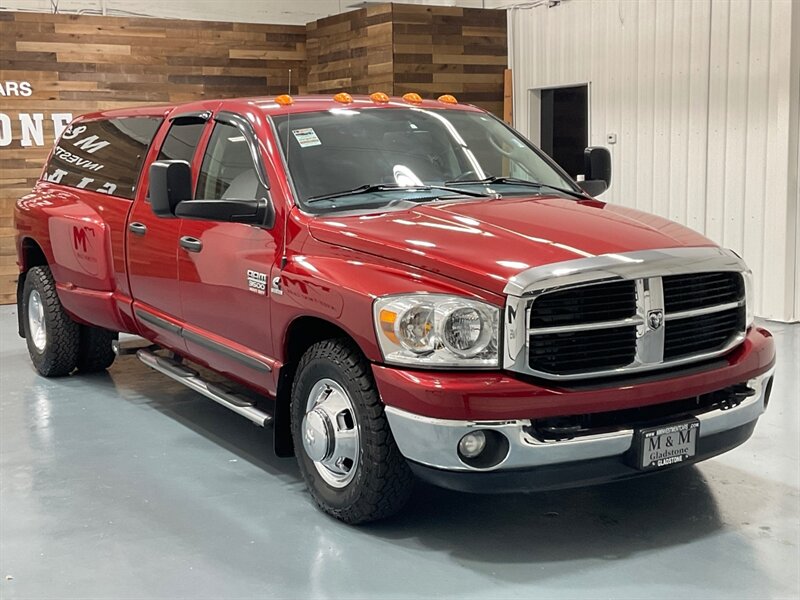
125	485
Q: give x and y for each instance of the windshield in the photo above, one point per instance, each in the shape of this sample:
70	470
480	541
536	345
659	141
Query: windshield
370	158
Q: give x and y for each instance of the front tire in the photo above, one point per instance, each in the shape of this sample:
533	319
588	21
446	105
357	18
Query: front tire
345	449
53	338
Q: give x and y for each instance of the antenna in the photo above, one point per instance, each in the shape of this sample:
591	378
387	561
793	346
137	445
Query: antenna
284	258
288	130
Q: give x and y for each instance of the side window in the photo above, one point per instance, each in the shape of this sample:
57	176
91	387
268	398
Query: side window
228	171
103	156
181	141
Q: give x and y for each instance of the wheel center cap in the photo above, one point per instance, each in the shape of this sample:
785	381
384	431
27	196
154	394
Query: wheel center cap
317	435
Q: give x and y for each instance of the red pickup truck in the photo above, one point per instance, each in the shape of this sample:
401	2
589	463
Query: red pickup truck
401	287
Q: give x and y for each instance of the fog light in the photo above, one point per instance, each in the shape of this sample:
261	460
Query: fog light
472	444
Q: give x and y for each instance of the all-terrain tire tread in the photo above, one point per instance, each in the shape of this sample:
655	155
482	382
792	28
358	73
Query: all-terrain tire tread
95	352
388	482
63	334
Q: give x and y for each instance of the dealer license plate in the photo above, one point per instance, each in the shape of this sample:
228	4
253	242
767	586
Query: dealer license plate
667	445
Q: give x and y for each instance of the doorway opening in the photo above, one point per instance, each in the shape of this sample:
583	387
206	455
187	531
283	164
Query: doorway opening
564	125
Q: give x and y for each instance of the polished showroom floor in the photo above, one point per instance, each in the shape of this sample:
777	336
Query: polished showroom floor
125	485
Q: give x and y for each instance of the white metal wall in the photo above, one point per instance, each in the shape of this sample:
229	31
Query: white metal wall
702	95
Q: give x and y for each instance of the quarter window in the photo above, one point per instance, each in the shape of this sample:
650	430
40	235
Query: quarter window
103	156
228	171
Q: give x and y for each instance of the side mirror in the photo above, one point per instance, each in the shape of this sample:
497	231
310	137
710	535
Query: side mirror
597	170
250	212
170	183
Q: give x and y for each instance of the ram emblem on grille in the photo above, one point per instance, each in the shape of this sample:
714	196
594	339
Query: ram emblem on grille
655	318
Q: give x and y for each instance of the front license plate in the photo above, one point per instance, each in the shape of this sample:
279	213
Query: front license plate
667	445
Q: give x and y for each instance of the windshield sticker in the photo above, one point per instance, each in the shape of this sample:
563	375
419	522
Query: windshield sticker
306	137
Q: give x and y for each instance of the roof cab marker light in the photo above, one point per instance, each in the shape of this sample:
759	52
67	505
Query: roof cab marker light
447	99
343	98
379	97
412	98
284	100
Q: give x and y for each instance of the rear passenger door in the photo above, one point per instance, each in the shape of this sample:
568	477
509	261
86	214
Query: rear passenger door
153	243
224	267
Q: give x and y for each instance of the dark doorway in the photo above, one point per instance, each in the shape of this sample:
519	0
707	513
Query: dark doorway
565	126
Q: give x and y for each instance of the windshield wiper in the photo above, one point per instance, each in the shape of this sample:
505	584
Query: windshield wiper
521	182
386	187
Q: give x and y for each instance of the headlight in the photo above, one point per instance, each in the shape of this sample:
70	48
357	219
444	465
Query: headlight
435	330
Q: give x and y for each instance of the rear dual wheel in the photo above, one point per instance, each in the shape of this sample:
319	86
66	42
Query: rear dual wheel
58	345
345	449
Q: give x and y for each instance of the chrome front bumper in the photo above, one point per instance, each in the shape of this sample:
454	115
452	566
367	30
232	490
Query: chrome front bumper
434	442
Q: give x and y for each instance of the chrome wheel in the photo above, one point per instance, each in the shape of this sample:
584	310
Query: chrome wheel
36	322
330	433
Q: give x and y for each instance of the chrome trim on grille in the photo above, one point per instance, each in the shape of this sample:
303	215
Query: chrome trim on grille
646	268
698	312
637	320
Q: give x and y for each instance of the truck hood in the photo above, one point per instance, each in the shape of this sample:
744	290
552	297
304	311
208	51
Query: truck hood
486	242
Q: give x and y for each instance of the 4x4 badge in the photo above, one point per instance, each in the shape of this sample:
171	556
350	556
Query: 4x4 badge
655	318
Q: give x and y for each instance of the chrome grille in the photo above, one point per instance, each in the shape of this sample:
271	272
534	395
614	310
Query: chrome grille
612	325
616	314
602	302
703	333
578	351
699	290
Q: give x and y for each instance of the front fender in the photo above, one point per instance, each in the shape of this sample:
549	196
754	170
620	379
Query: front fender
339	286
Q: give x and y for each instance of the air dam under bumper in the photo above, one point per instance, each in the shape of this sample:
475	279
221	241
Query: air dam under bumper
531	464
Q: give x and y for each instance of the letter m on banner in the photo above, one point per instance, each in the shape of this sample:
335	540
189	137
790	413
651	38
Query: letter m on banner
91	144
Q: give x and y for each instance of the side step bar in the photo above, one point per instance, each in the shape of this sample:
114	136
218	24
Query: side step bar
191	379
131	346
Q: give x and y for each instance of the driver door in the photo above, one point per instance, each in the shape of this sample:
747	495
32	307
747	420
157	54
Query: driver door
223	267
152	242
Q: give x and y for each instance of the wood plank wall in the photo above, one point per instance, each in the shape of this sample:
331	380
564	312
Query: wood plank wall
399	48
450	50
351	52
78	64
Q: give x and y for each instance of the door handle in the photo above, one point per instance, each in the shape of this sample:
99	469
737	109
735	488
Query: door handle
191	244
137	228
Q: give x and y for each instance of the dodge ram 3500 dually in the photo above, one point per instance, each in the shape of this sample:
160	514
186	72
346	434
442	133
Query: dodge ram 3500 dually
401	287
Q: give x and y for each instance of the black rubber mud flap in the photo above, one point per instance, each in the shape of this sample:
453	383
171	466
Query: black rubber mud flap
20	295
282	430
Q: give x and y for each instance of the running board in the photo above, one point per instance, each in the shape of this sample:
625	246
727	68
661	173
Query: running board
191	379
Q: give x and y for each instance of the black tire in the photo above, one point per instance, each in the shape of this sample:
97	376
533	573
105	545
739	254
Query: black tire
382	482
95	352
59	356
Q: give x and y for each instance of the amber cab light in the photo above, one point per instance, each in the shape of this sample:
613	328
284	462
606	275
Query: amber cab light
343	98
412	98
379	97
448	99
284	100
